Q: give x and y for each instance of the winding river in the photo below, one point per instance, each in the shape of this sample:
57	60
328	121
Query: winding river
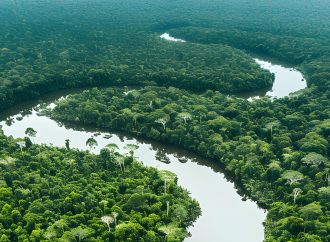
225	216
223	211
287	79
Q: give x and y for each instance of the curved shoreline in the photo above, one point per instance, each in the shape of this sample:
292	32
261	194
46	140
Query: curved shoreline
220	203
149	151
281	87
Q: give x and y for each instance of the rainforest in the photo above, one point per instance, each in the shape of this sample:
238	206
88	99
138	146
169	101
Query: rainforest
176	120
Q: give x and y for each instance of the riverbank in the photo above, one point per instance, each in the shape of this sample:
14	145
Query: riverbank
261	151
221	205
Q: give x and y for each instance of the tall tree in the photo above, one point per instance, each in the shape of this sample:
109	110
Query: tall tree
31	133
181	213
21	145
162	121
91	143
115	215
108	220
296	193
67	144
131	148
271	125
120	161
292	176
185	116
104	203
80	233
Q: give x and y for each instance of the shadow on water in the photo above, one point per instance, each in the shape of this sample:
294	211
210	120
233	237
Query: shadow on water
26	107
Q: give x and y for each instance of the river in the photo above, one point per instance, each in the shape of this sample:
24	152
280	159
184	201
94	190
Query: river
223	211
287	79
225	216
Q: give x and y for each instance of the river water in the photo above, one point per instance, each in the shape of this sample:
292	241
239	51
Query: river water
287	79
225	216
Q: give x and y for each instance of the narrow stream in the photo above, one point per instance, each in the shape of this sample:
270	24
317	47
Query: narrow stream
223	211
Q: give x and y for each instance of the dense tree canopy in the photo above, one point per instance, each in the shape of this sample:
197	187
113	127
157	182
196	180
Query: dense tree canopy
56	194
276	149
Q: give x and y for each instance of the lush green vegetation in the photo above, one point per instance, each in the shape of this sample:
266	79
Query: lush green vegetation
312	55
40	52
62	194
59	44
277	150
49	45
293	32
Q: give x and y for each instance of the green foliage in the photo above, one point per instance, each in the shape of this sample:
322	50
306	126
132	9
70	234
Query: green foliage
263	144
71	204
232	131
35	60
